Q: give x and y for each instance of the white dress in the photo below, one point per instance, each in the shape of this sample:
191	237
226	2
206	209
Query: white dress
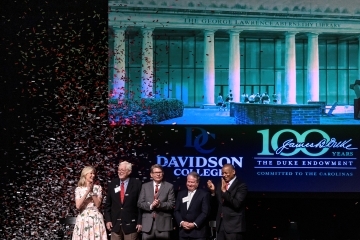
90	222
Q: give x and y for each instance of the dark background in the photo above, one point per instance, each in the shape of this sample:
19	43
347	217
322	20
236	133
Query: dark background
53	122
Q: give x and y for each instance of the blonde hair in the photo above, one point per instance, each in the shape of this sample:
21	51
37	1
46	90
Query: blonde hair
86	170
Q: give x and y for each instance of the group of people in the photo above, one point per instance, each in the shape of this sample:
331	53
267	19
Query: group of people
263	98
224	104
151	209
258	98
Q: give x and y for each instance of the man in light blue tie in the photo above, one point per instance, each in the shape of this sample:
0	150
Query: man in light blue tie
192	210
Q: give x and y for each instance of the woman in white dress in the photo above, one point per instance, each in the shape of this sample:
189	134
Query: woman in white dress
90	222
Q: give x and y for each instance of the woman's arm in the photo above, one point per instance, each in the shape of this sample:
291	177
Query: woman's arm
97	196
79	202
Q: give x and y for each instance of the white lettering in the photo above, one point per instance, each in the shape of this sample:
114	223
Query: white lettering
201	171
173	163
211	162
332	143
198	162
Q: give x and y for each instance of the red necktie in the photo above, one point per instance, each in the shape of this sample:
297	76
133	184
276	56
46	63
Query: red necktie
122	192
156	191
155	197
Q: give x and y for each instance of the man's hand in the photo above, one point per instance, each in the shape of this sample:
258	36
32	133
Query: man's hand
211	186
223	185
155	203
138	228
109	226
188	225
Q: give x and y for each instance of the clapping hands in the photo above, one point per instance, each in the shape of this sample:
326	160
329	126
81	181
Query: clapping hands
211	186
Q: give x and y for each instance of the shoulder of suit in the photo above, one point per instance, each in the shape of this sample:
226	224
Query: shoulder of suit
135	180
114	180
148	183
167	183
238	181
240	184
202	191
183	191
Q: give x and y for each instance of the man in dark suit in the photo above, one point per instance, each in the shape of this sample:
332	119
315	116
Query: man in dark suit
156	201
122	216
230	195
192	210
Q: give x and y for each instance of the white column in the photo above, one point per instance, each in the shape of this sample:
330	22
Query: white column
313	68
209	69
290	69
234	64
147	68
119	73
278	80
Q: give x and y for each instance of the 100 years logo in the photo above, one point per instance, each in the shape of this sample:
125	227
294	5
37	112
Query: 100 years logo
300	144
287	143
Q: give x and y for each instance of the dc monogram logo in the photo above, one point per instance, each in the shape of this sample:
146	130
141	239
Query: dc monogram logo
199	140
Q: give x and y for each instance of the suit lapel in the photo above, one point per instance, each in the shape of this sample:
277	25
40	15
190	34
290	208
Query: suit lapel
233	185
162	186
150	191
194	198
117	194
184	204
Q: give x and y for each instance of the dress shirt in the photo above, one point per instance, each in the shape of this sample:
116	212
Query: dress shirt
154	185
126	183
190	196
230	182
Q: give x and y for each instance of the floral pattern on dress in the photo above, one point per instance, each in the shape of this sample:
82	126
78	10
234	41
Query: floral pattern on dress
90	222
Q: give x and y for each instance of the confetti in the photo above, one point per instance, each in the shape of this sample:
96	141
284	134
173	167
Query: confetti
54	115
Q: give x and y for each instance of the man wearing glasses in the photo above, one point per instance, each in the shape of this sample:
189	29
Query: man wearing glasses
157	202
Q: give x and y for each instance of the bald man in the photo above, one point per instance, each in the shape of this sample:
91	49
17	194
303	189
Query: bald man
230	195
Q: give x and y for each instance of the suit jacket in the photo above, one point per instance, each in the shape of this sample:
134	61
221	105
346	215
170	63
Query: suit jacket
197	213
232	207
163	213
125	214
